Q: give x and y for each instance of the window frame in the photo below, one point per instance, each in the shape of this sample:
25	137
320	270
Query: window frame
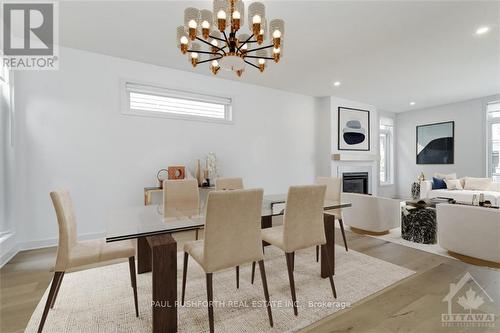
388	132
158	90
489	140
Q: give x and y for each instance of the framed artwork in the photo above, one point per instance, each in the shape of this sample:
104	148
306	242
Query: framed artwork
436	143
353	129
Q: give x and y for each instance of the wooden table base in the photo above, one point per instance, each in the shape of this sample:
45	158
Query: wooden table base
159	255
329	221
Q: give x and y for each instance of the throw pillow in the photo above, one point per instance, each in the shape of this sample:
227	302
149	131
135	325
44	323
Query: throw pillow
446	176
438	184
453	184
480	184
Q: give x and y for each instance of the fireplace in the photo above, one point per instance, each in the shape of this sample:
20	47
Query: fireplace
355	182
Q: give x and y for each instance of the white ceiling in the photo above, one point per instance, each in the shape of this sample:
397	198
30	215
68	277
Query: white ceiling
384	53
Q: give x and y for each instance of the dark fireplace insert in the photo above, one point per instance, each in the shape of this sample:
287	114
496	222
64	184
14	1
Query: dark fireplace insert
355	182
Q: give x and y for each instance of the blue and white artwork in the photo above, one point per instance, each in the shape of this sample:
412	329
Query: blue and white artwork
354	129
435	143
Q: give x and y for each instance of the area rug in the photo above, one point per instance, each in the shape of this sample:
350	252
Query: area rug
101	299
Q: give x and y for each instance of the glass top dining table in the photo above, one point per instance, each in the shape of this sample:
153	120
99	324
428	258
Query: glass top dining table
144	221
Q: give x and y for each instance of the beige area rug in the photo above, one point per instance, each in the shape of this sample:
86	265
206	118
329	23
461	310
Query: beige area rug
101	299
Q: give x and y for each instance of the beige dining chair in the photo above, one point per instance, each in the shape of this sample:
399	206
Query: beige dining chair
228	184
232	238
302	227
72	253
181	197
333	193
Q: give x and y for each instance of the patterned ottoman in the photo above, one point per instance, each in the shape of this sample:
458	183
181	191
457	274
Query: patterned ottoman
418	223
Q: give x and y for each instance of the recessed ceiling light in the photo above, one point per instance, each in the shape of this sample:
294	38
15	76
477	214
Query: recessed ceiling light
482	30
412	103
336	83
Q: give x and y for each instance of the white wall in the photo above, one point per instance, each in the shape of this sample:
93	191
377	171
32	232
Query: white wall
335	103
470	141
71	134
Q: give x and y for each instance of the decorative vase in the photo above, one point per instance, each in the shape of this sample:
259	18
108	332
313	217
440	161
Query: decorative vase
415	191
197	173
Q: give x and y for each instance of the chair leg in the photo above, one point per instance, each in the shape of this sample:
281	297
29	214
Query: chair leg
341	223
131	264
210	299
266	291
52	291
289	260
237	277
253	271
330	275
293	261
59	281
184	273
196	236
317	253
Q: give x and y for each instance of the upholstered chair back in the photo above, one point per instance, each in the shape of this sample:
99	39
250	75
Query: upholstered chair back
228	184
181	197
333	187
66	221
303	224
232	229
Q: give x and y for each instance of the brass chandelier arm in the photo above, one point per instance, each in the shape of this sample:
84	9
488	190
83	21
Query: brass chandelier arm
241	44
204	41
248	62
216	58
261	48
255	57
225	37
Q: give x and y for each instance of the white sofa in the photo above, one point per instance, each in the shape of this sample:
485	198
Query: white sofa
492	193
371	214
470	231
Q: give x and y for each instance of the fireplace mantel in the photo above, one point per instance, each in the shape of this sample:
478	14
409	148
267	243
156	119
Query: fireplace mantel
354	157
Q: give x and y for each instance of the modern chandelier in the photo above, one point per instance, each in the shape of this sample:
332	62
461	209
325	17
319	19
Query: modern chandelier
225	46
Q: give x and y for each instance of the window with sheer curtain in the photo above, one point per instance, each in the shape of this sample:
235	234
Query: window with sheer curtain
386	146
493	116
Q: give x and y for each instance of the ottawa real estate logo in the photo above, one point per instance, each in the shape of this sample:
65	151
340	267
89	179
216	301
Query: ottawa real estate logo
30	35
468	305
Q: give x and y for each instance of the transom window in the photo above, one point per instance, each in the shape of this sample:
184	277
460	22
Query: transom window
152	101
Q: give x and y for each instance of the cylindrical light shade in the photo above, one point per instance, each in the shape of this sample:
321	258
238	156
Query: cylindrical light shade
240	7
191	14
206	22
218	6
242	38
194	56
261	62
263	31
215	42
182	39
256	8
276	24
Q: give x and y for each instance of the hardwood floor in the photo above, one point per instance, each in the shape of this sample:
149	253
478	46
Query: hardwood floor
411	305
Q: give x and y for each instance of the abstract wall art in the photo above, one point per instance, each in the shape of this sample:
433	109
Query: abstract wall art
353	129
436	143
